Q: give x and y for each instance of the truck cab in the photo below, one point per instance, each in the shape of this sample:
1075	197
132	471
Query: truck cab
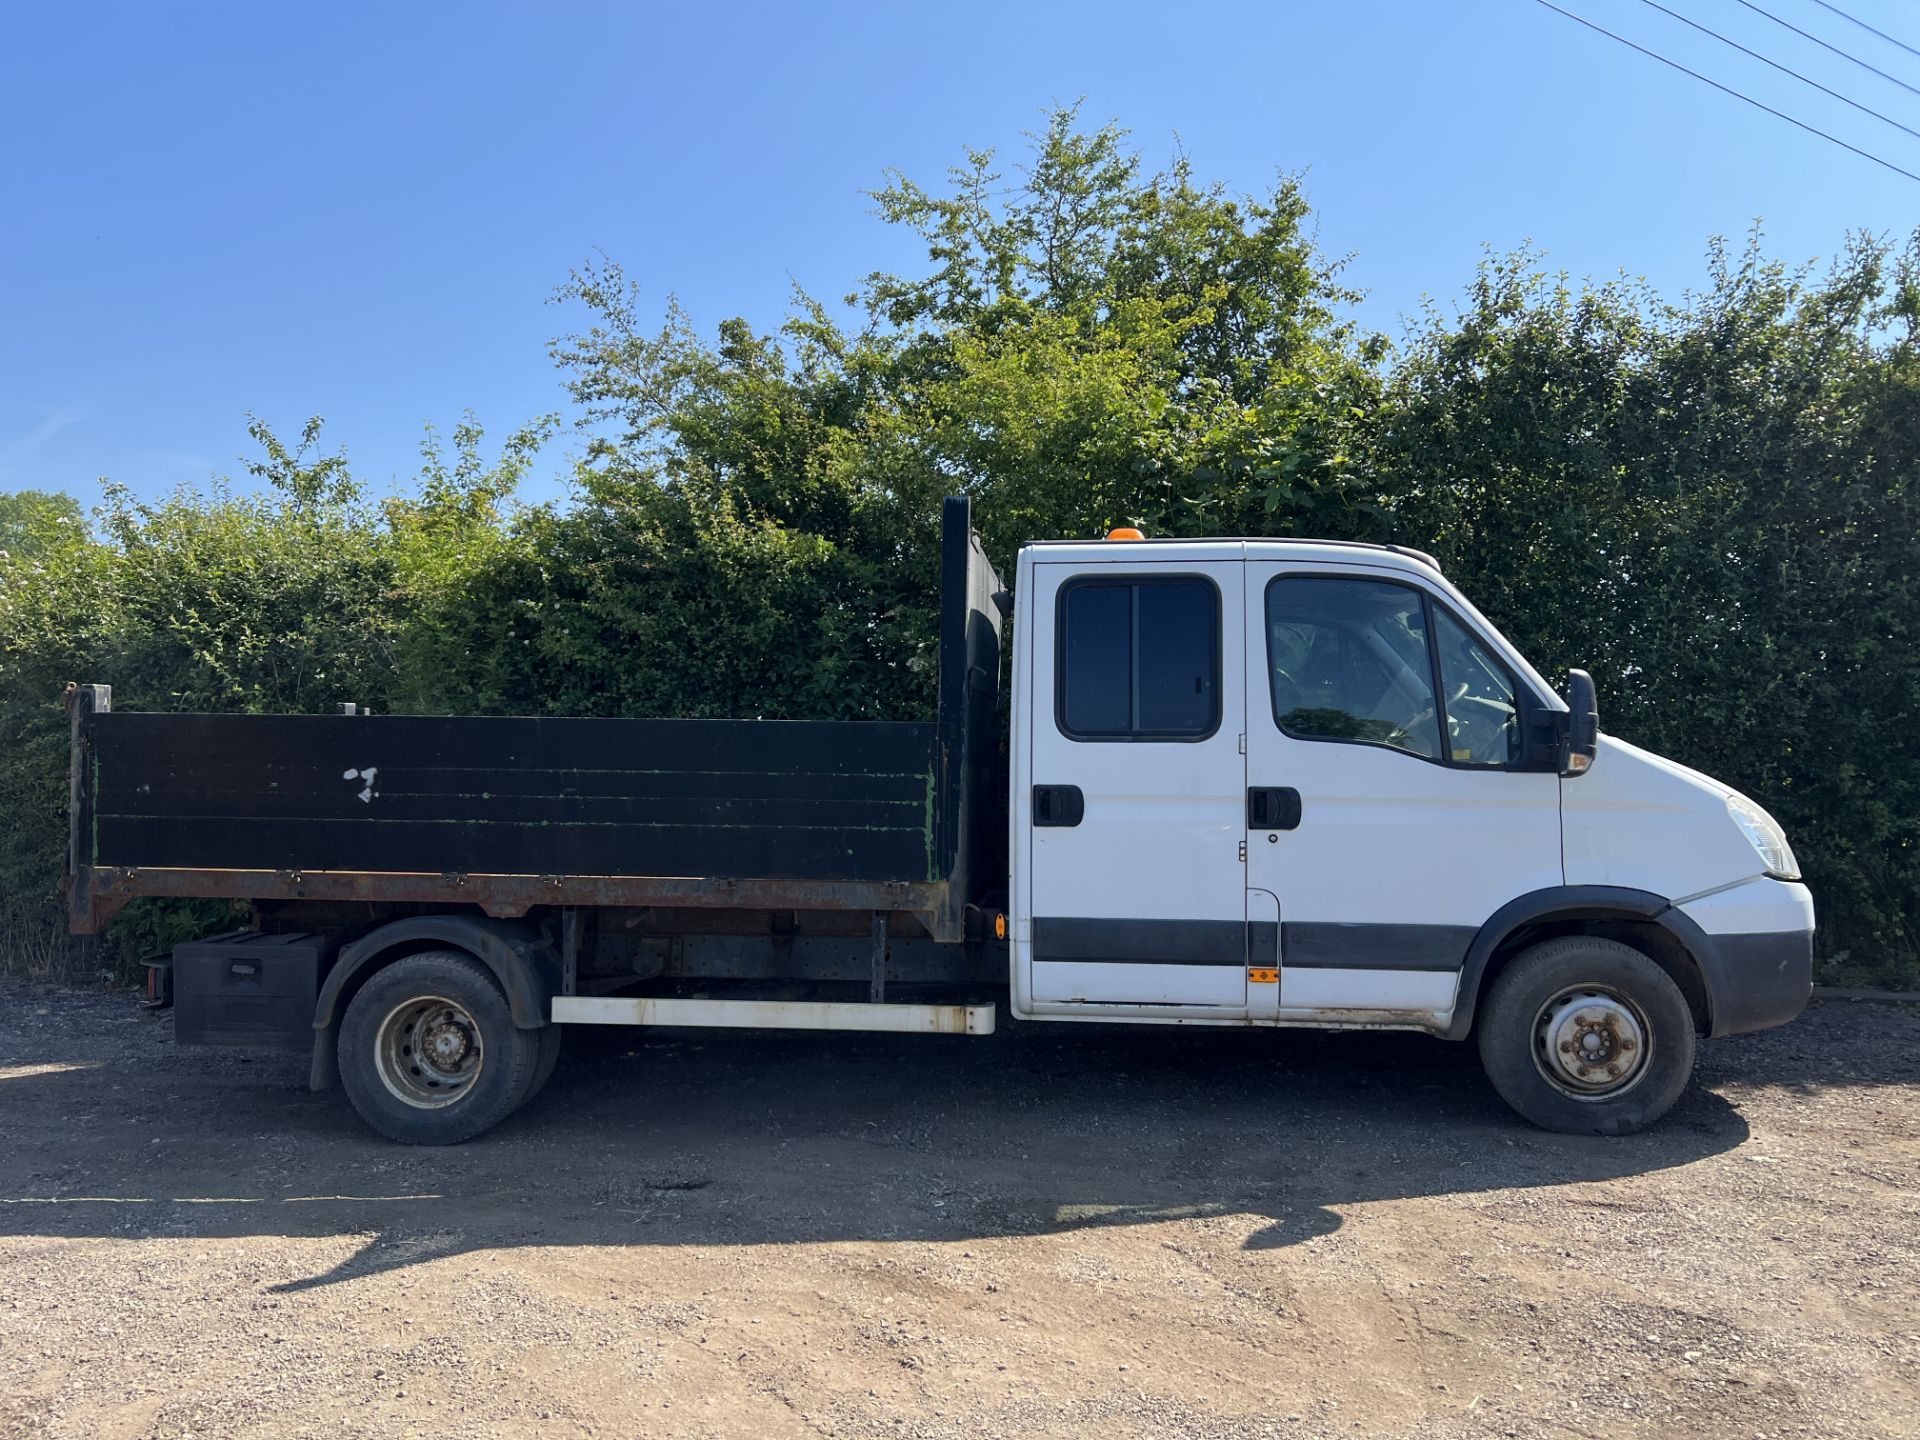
1308	783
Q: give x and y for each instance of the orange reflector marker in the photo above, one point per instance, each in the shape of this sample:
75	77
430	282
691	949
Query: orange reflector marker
1125	532
999	927
1259	975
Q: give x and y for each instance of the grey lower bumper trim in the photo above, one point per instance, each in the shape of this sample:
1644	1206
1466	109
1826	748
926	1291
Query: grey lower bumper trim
1758	981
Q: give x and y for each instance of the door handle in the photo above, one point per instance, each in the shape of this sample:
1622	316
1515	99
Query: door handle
1273	807
1058	805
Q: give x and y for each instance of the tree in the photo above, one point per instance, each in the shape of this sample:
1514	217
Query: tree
37	523
1096	344
1712	505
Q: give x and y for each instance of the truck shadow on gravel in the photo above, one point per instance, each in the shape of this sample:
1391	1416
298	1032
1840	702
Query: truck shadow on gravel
743	1139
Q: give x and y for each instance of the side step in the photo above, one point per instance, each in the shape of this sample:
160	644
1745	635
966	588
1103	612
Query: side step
775	1015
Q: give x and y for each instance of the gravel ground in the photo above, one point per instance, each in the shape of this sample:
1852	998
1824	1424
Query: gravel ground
1056	1231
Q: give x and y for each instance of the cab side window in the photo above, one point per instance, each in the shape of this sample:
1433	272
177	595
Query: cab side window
1350	660
1483	710
1139	659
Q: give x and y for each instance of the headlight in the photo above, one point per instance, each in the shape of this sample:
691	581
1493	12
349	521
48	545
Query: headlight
1766	836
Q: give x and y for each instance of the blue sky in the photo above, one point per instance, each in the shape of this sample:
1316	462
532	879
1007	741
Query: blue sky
359	210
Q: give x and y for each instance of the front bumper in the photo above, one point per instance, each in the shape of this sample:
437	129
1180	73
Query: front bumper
1758	957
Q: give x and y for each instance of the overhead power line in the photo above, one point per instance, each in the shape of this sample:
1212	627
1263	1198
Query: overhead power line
1843	99
1729	90
1843	54
1865	26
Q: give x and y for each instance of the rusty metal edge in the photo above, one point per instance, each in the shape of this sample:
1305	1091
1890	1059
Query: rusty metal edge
503	896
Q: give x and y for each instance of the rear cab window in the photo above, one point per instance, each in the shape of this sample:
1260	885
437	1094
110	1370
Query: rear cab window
1138	658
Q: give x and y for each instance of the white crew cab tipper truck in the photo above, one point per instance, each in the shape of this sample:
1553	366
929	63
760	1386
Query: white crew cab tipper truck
1248	782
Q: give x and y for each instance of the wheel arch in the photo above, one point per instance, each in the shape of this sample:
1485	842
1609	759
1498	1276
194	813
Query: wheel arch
519	957
1648	922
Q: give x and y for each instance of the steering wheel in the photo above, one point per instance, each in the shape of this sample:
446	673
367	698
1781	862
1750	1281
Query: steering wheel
1402	734
1486	726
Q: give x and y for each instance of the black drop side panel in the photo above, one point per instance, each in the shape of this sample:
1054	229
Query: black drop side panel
802	800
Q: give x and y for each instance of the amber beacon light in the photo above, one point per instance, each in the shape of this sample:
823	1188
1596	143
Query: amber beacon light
1125	532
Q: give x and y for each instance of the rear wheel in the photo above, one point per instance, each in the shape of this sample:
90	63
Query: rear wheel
1587	1037
544	1061
429	1053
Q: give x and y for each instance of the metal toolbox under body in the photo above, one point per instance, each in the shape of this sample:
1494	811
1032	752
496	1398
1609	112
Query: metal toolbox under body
246	988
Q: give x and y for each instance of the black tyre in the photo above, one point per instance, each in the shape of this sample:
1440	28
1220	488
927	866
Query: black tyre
544	1061
429	1053
1587	1037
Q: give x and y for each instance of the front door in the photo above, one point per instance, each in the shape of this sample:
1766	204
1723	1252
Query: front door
1388	809
1136	811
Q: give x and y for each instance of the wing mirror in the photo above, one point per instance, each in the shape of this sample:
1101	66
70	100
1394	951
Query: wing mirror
1583	725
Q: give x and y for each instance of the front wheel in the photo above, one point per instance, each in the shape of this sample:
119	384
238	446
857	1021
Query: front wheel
429	1053
1587	1037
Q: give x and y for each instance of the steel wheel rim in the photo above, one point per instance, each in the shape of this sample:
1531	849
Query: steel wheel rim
428	1052
1592	1042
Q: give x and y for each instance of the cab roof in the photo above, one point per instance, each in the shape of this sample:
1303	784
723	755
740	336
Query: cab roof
1250	548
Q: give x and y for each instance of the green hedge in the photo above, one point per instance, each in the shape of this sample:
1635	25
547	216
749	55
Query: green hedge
1707	502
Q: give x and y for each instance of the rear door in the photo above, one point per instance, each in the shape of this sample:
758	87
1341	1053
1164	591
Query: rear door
1134	816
